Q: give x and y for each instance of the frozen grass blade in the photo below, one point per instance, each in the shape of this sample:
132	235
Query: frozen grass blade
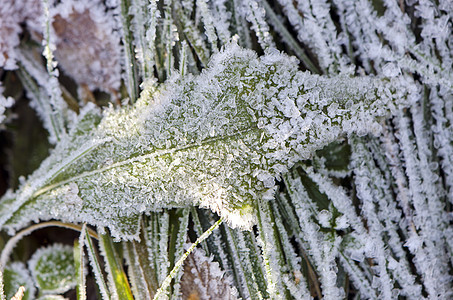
275	21
79	260
179	263
289	262
52	86
2	292
247	264
118	282
130	65
271	255
208	21
145	15
96	267
138	271
178	232
35	80
256	15
191	34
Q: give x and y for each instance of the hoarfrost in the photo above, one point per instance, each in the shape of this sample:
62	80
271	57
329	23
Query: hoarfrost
255	14
10	19
265	114
204	279
52	269
5	102
87	47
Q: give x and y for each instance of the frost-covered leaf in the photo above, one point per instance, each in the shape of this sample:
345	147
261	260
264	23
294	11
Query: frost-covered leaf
203	279
53	269
10	29
217	140
87	47
16	275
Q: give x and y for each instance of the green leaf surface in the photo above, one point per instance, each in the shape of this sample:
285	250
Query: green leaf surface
79	261
53	269
16	275
117	277
217	140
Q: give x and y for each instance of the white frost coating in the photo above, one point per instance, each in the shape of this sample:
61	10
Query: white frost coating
443	134
256	15
144	21
244	263
221	20
87	46
375	195
429	244
5	102
162	225
295	282
204	278
52	269
315	28
270	253
322	249
19	276
217	140
46	97
208	22
9	33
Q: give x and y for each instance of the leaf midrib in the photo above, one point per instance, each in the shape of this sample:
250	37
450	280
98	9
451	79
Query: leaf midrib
158	153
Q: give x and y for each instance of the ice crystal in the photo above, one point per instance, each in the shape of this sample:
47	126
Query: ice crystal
10	29
16	274
217	140
53	269
5	102
203	279
87	47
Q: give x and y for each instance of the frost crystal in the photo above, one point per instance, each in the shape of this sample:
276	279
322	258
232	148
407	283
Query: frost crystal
9	33
4	104
87	48
53	269
203	279
217	140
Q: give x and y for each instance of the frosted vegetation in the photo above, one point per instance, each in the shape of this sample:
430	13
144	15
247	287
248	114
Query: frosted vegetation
227	149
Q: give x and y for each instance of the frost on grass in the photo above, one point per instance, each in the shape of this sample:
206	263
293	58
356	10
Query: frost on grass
204	279
9	34
87	47
16	274
5	102
218	140
53	269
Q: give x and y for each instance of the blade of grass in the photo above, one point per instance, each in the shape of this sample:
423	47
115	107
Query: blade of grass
96	268
179	222
130	65
139	271
179	263
79	265
15	239
2	291
116	275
